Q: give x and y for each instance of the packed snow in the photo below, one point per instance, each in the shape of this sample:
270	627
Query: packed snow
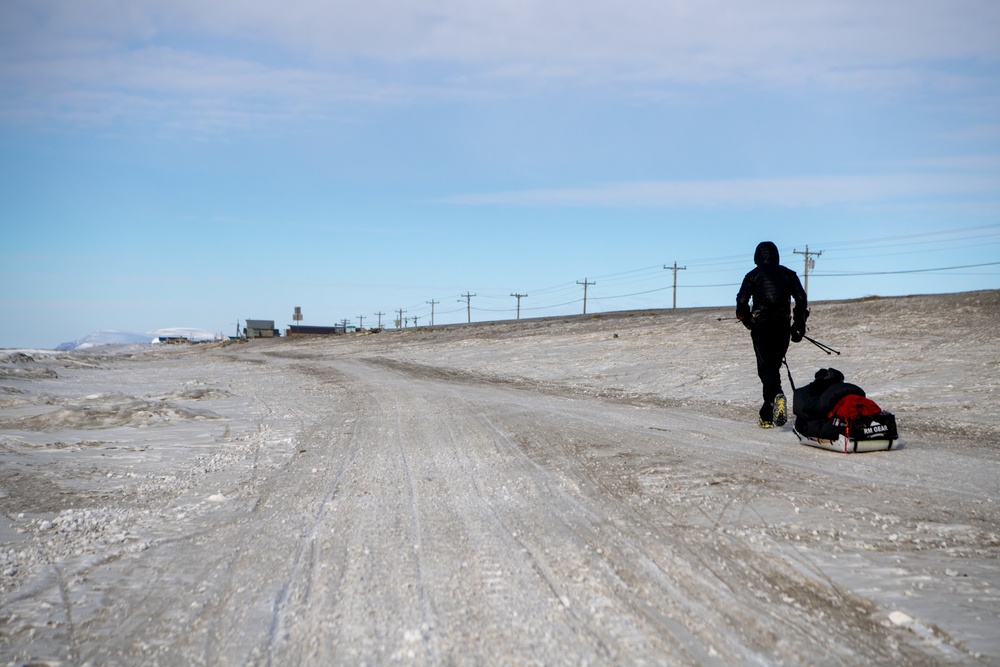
566	491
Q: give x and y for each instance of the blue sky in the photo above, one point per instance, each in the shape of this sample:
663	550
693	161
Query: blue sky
192	163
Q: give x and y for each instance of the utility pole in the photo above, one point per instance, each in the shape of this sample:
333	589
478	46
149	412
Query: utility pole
379	316
810	263
399	322
432	302
676	269
415	320
519	297
468	304
361	321
345	322
584	283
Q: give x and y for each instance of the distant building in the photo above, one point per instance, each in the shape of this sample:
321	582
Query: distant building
303	330
261	329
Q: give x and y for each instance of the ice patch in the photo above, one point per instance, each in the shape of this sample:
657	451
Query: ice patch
901	619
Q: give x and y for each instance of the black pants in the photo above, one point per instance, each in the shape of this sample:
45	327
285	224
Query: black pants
770	344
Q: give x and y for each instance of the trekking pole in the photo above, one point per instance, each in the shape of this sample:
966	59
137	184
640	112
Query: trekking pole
788	369
822	346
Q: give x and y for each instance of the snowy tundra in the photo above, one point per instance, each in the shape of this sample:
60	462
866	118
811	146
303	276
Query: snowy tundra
563	491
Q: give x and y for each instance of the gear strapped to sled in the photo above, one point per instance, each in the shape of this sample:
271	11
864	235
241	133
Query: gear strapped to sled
836	415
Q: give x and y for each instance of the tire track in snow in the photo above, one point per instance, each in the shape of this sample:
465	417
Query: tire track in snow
494	558
426	605
591	546
721	593
513	535
629	567
301	575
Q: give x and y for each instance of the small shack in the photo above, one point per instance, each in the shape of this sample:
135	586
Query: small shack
261	329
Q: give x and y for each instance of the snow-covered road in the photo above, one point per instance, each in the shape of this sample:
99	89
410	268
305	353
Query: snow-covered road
595	495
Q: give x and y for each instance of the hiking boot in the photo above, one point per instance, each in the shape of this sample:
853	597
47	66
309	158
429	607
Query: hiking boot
763	423
780	410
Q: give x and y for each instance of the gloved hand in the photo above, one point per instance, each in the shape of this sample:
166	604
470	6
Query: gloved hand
746	321
798	331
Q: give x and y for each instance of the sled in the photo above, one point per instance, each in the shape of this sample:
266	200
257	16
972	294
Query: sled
836	415
847	445
876	433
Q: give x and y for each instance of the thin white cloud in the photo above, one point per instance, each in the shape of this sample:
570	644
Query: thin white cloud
302	54
793	192
176	87
708	35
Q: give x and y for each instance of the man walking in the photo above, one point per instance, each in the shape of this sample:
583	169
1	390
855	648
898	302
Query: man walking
763	306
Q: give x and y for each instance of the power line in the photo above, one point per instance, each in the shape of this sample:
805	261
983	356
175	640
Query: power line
937	248
910	238
555	305
719	271
889	273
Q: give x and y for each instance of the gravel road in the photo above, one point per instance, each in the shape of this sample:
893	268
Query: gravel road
415	501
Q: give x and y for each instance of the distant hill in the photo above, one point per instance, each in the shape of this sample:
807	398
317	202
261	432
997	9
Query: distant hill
111	337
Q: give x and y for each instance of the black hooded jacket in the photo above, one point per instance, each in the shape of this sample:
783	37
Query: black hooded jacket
771	286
